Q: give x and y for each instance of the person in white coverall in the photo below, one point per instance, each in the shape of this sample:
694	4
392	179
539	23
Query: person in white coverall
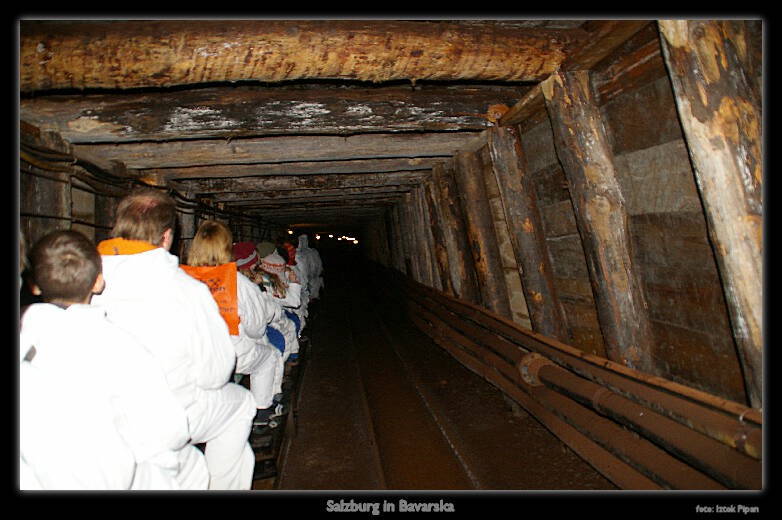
281	284
283	328
288	252
312	265
178	321
213	247
95	411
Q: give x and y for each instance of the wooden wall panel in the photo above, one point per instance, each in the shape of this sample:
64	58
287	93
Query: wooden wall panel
566	253
686	303
44	204
672	249
658	180
460	261
643	117
468	173
425	237
438	233
511	267
691	353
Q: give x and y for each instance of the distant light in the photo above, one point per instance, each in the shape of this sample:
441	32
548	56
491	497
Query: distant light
290	231
355	241
331	236
317	236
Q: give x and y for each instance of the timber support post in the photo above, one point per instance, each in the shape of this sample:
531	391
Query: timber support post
439	249
526	232
712	73
461	266
425	238
481	233
584	150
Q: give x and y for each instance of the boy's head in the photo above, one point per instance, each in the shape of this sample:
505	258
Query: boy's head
66	267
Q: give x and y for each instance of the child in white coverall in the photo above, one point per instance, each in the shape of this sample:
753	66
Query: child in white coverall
96	412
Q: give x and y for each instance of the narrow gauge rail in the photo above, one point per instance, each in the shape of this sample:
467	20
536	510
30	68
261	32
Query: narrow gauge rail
382	407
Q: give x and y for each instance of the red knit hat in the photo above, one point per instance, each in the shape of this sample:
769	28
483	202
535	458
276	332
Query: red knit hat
245	254
291	252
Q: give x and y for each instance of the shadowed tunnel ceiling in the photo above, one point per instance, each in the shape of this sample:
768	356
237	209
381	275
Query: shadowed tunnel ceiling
318	123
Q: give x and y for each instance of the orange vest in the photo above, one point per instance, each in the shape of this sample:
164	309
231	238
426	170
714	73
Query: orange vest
221	280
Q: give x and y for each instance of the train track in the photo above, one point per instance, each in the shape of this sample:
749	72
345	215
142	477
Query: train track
415	445
383	408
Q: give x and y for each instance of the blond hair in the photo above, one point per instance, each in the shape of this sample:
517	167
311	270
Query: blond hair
212	245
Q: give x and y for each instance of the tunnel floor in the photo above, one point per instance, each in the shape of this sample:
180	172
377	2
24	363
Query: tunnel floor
382	407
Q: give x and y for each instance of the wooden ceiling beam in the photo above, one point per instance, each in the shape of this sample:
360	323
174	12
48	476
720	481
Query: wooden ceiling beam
334	211
241	111
318	182
313	205
605	36
381	165
300	195
164	53
275	149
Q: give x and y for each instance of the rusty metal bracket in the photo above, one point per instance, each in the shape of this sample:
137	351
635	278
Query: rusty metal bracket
530	365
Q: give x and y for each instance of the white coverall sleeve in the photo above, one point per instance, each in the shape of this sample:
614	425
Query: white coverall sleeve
154	422
254	312
292	298
213	357
272	306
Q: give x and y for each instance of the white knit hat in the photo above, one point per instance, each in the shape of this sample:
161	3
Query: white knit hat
274	263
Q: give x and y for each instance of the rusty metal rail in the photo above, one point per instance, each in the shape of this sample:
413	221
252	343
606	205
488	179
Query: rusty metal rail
641	432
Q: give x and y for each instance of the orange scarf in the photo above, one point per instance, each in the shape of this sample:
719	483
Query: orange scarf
123	246
221	280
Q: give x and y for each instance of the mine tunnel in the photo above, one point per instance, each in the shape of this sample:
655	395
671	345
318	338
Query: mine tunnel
550	230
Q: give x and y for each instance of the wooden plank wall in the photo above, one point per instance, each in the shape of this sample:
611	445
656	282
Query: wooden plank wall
676	263
668	311
569	268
